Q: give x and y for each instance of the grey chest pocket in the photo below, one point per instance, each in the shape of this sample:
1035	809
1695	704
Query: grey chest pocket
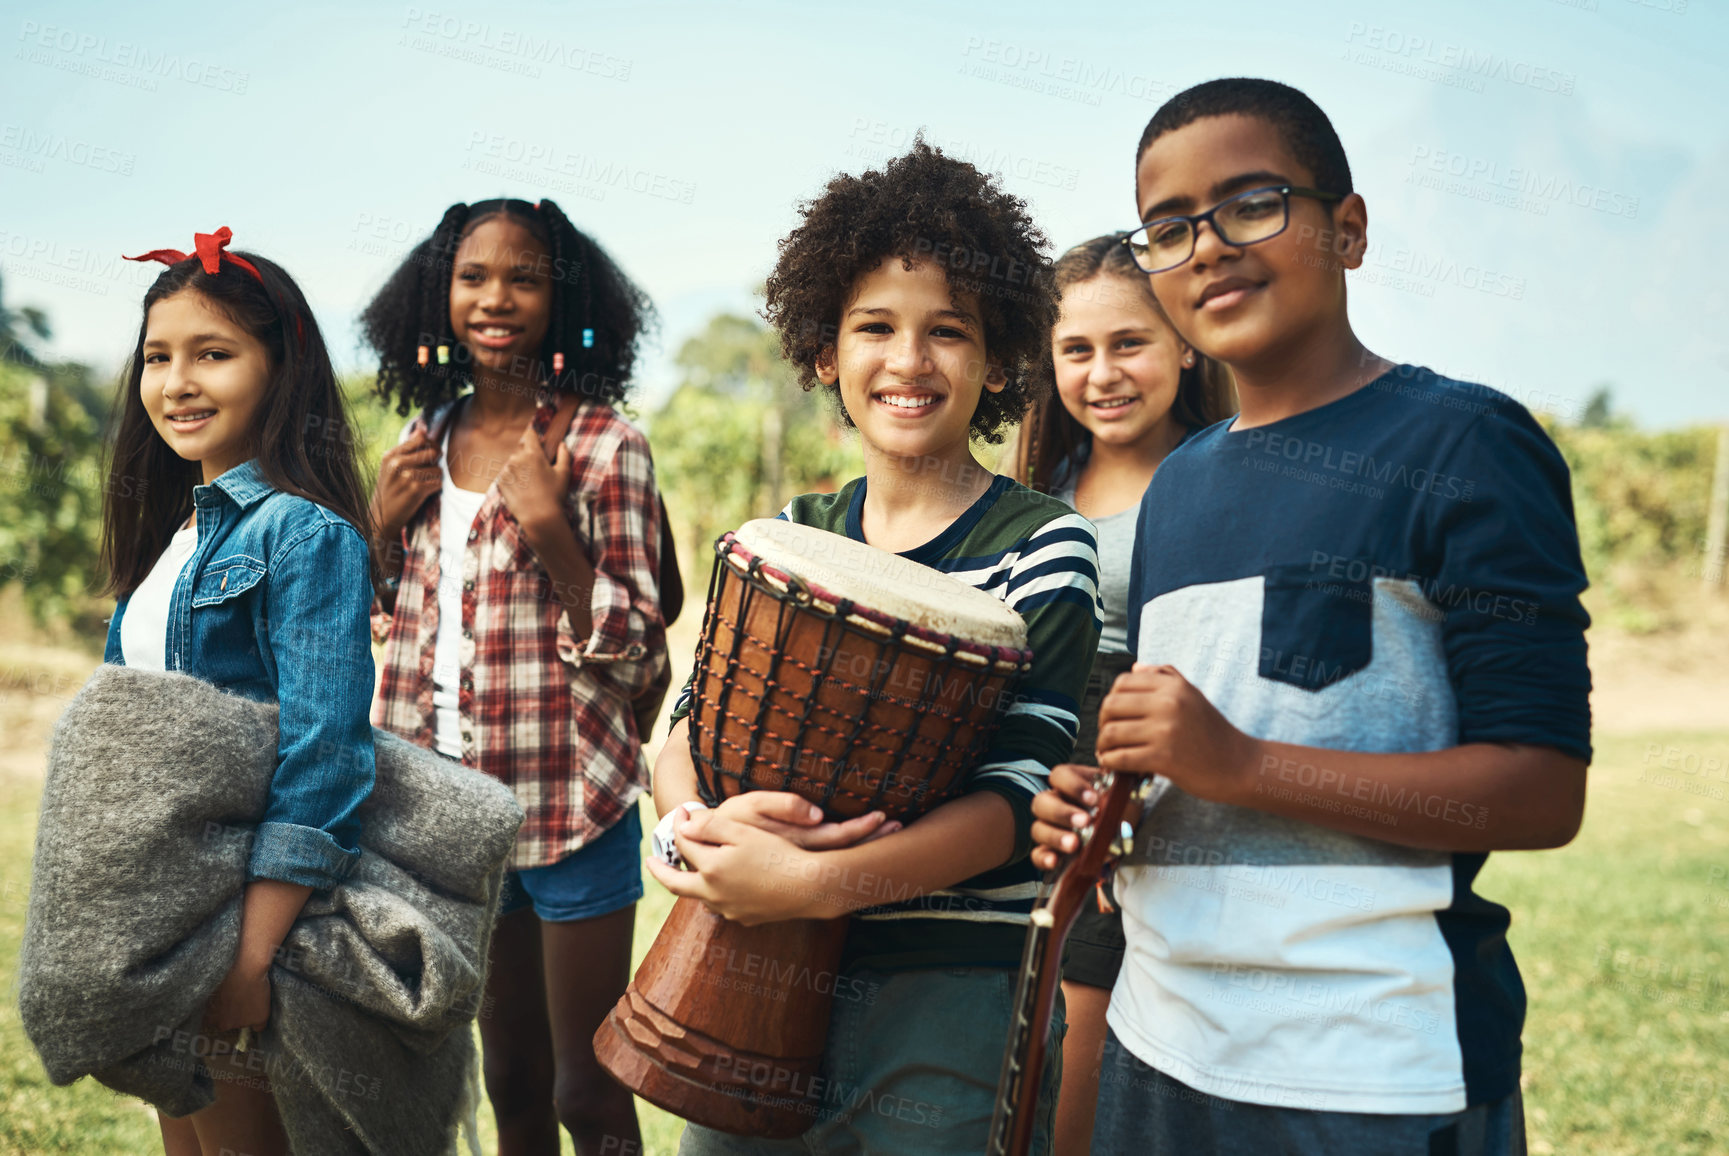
226	578
1315	630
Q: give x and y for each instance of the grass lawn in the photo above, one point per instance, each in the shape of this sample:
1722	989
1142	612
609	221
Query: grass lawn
1623	938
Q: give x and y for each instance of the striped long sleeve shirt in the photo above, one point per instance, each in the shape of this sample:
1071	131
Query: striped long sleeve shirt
1040	558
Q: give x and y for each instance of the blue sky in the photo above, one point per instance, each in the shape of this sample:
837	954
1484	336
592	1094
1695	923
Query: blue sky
1544	177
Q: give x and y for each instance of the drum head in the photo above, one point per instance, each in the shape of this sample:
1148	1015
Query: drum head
884	582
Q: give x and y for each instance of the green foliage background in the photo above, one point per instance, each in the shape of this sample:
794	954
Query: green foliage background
734	441
1639	497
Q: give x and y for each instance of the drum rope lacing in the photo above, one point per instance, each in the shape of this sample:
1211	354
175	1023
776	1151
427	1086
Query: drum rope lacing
844	616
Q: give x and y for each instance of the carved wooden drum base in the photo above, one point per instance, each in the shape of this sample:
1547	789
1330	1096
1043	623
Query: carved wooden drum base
725	1025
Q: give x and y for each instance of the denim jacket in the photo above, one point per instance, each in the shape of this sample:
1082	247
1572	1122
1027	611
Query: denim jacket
273	606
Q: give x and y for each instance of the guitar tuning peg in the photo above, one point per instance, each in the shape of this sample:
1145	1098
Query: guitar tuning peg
1125	840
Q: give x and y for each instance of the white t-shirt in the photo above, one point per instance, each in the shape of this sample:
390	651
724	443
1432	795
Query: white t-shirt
144	629
456	513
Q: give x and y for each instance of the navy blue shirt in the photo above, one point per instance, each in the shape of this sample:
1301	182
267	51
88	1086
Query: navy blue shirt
1395	571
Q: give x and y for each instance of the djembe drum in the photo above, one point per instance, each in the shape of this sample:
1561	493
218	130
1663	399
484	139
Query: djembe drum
861	681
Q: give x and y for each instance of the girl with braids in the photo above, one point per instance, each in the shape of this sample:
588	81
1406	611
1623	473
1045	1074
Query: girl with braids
1128	392
234	533
518	533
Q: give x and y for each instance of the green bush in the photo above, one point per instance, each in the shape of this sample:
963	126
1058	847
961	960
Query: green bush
50	499
1640	497
739	438
733	442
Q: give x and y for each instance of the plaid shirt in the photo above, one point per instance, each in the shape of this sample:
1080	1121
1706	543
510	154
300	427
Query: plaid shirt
543	711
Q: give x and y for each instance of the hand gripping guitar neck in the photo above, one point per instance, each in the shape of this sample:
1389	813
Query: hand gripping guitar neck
1041	964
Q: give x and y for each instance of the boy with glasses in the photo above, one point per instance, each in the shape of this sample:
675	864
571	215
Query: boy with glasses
1361	669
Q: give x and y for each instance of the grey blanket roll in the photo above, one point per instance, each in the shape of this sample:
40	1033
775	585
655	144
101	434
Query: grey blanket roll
155	782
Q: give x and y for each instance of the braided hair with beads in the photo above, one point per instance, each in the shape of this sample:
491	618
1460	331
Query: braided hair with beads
598	313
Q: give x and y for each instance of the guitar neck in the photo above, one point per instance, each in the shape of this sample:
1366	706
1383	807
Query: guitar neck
1017	1102
1041	963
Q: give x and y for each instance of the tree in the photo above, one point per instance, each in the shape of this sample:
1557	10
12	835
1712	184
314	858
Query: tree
52	418
16	328
739	437
1599	410
50	499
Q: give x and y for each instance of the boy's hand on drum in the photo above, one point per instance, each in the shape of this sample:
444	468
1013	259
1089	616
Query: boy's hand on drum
1154	721
738	870
1061	812
794	819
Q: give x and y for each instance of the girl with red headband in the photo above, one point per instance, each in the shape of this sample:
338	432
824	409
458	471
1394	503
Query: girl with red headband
233	444
519	533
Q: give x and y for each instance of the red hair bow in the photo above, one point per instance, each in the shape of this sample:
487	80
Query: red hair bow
209	249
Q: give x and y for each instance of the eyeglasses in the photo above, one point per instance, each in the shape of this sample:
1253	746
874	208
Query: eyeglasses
1244	219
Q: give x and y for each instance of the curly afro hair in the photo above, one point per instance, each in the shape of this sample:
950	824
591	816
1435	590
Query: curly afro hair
589	292
922	206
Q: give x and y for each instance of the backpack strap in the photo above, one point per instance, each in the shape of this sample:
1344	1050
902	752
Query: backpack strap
559	425
669	580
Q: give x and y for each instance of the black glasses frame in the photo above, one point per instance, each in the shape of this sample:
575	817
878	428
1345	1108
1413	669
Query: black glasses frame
1194	222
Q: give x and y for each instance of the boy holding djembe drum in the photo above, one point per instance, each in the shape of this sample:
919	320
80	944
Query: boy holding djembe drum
920	295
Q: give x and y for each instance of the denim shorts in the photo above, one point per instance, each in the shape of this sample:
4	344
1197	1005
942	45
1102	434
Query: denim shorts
595	880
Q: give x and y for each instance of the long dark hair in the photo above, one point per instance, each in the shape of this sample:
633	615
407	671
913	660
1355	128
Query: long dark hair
300	435
589	292
1050	436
